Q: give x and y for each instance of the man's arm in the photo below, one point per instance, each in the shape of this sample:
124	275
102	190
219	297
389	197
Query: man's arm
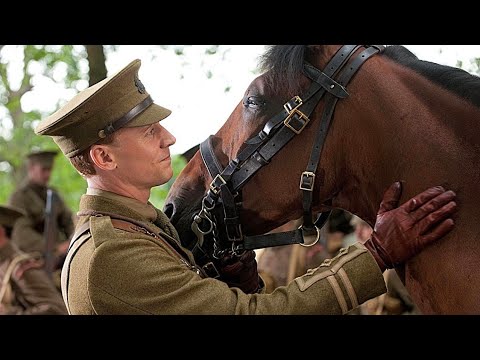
27	233
34	291
26	237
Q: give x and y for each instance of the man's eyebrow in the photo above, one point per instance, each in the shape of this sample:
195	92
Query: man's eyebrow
143	129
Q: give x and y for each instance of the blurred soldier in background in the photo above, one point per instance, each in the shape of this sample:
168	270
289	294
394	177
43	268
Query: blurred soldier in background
31	196
25	288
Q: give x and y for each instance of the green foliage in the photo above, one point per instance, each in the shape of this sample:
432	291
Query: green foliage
110	48
215	53
212	50
7	186
52	55
472	66
476	62
17	137
68	182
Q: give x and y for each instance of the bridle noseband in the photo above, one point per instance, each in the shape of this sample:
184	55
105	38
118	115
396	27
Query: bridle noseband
218	217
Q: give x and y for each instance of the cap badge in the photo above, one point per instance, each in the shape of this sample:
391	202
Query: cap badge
139	85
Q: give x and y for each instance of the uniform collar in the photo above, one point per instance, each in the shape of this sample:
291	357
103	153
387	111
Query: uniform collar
131	207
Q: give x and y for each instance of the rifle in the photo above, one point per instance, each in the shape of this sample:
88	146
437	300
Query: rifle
51	231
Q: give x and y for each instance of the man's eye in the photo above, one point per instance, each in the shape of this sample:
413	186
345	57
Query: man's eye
254	102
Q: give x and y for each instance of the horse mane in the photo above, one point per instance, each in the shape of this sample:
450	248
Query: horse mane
456	80
282	65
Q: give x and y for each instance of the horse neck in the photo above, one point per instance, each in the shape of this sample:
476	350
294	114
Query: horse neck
406	128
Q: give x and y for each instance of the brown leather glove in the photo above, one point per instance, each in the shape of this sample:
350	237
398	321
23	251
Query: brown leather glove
240	272
401	232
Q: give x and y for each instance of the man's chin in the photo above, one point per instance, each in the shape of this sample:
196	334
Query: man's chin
165	178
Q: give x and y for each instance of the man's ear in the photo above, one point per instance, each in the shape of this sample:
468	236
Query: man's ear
102	157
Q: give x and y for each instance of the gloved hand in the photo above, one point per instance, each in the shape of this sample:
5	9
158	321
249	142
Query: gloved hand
240	272
402	232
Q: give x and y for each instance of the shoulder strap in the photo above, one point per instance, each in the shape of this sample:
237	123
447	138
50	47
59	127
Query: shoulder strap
78	240
8	273
135	228
72	250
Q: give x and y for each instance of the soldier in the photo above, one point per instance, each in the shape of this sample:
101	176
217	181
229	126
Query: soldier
25	288
31	196
126	257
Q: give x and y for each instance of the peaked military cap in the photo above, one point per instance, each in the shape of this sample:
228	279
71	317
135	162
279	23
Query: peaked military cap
118	101
44	158
10	214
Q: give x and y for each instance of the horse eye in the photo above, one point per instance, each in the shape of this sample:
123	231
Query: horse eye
254	102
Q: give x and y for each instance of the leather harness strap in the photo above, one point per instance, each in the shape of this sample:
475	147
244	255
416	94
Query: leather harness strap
72	250
307	180
9	272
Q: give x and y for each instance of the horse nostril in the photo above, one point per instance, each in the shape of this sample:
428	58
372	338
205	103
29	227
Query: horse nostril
168	209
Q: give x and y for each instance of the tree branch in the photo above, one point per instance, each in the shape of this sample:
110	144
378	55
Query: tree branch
96	62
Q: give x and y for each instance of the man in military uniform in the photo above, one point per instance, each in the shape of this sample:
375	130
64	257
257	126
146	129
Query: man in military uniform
31	196
126	257
25	288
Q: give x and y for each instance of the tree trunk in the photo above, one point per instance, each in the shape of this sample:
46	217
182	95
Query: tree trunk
96	62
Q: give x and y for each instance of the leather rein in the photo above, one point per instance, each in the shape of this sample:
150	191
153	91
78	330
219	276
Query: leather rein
218	217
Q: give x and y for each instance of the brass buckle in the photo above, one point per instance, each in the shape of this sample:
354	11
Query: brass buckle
294	111
307	174
216	189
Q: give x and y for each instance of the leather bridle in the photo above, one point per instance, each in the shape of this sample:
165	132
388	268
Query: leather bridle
218	218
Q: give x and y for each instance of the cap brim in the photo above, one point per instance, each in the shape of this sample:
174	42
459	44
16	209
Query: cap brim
9	214
46	153
153	114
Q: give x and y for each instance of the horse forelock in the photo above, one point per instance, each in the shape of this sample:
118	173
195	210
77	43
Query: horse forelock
453	79
282	66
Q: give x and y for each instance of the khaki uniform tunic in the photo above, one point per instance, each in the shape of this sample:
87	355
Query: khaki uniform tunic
28	231
120	272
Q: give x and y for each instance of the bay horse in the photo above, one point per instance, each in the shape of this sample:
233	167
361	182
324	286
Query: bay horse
403	119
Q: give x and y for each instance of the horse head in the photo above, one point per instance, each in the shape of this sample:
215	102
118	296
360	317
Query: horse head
271	197
394	117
